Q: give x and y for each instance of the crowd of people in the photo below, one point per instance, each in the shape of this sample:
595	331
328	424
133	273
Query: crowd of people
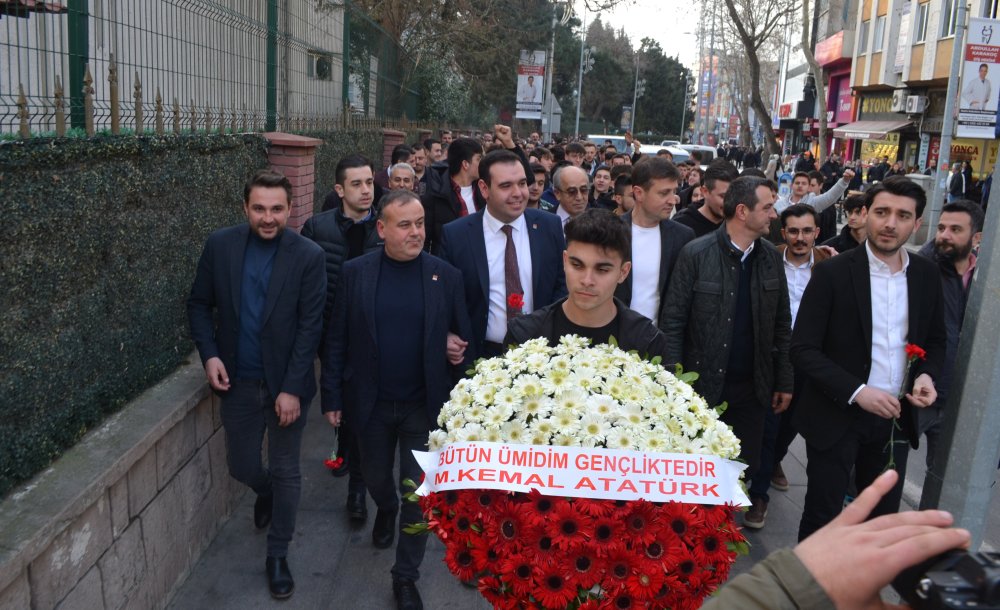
463	246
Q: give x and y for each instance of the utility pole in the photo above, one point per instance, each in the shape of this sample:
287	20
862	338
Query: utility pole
640	88
948	128
687	90
550	72
698	121
586	63
711	75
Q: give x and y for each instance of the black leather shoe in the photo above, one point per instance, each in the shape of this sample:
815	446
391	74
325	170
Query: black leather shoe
384	531
406	594
357	509
279	578
262	510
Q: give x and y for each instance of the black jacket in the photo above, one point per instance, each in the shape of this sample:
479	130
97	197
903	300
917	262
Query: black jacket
673	237
635	331
843	241
329	230
698	316
441	204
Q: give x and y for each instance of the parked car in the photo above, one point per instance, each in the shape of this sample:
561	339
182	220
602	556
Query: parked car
617	141
667	143
707	152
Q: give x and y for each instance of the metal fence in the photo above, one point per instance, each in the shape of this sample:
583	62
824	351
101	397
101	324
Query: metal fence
195	64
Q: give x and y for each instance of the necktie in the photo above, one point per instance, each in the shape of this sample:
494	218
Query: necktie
512	275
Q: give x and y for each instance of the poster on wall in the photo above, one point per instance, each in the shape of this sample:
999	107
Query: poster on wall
530	84
978	97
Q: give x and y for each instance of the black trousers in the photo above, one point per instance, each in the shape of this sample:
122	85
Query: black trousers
407	425
746	416
865	447
247	411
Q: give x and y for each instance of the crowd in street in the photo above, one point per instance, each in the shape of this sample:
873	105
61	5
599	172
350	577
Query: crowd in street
462	246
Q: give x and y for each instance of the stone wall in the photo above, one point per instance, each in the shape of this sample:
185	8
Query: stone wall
121	518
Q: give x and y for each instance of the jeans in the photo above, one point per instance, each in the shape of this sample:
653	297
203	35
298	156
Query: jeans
406	424
247	411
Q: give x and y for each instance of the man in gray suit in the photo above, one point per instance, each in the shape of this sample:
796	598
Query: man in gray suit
256	315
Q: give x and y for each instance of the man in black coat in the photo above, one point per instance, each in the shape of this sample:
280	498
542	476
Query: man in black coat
857	315
256	315
451	190
346	232
596	261
386	368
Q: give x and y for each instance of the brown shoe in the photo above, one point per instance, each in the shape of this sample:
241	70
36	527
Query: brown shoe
778	480
754	518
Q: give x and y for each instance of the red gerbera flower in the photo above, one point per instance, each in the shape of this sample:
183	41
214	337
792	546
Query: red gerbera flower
584	566
710	547
623	600
552	588
594	508
460	561
496	592
663	548
618	567
518	571
568	527
607	536
680	518
645	581
640	523
484	555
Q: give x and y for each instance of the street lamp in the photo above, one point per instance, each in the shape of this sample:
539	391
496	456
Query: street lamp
586	65
640	89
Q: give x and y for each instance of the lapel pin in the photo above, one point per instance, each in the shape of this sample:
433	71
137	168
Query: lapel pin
434	278
534	226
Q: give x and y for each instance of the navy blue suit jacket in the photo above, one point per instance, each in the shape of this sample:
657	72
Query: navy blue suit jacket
293	310
464	246
350	379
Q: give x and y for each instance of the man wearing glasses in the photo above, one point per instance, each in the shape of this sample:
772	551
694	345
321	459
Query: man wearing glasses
572	189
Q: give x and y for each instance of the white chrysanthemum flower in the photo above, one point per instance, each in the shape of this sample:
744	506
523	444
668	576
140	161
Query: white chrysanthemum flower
571	400
565	421
484	395
602	404
539	438
492	434
507	398
456	422
469	433
535	406
593	427
565	440
437	440
544	425
514	432
619	438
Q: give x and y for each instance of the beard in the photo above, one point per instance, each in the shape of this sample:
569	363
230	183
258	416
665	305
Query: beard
952	252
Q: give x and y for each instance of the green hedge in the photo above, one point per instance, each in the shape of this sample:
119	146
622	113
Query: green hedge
101	242
337	145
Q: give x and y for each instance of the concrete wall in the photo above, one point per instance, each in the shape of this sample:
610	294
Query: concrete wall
121	518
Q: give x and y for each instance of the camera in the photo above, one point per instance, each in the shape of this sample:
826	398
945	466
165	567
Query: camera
957	579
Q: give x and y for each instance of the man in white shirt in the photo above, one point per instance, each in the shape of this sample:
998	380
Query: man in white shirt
976	93
857	316
571	186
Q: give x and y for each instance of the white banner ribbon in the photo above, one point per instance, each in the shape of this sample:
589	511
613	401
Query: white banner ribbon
582	472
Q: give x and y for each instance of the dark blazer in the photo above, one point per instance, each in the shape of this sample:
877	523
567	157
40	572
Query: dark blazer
463	245
293	311
832	341
673	237
349	378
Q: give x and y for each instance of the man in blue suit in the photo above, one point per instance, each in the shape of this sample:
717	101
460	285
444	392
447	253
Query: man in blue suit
510	257
256	315
385	364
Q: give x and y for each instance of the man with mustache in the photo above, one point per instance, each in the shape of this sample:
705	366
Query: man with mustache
959	232
857	315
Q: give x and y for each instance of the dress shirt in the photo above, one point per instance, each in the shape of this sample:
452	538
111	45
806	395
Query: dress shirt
746	252
496	247
797	277
977	91
468	199
563	217
890	323
646	255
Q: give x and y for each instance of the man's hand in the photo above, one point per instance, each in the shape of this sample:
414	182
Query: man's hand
334	418
829	250
848	176
287	408
456	349
853	559
923	393
218	378
781	401
878	402
503	135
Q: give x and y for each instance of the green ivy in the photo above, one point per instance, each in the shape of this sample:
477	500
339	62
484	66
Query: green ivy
101	242
337	145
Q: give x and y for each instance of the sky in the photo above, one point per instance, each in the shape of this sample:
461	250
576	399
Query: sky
672	23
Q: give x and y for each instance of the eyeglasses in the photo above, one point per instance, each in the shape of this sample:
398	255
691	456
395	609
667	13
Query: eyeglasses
808	231
573	191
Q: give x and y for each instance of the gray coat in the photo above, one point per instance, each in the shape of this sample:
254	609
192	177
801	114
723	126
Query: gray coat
698	315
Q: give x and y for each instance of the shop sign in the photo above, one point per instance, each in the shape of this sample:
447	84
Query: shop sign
830	49
977	107
786	111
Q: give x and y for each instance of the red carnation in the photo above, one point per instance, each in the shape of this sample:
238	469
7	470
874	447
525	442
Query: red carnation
515	302
333	464
915	352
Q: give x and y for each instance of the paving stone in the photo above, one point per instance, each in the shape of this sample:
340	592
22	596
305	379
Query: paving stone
123	567
141	483
86	595
56	571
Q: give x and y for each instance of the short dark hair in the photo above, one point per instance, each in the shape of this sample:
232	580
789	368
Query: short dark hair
817	175
799	210
351	162
430	142
601	228
802	174
417	146
719	170
663	152
753	171
619	170
536	168
900	186
397	197
854	202
460	150
973	209
400	153
696	155
743	190
267	178
575	147
622	182
542	153
490	159
653	168
602	168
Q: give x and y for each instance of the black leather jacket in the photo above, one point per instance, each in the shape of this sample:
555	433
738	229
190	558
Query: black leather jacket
698	315
329	230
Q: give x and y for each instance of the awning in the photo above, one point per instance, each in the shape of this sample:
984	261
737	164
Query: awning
869	130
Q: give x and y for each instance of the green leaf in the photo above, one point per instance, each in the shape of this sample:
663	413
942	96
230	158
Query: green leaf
612	341
720	409
417	528
740	548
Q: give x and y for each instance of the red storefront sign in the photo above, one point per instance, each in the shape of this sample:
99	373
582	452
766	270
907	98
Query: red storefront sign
786	111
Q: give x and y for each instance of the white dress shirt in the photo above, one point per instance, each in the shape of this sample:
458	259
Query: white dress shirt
563	217
646	254
797	277
496	246
890	324
468	198
977	93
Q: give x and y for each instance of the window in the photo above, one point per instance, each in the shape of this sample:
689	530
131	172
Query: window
920	34
990	9
320	66
863	37
949	18
879	33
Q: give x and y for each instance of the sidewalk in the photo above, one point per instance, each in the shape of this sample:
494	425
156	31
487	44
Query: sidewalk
335	565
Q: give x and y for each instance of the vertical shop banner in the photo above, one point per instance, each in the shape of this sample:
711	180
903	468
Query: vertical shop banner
978	97
903	41
530	84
